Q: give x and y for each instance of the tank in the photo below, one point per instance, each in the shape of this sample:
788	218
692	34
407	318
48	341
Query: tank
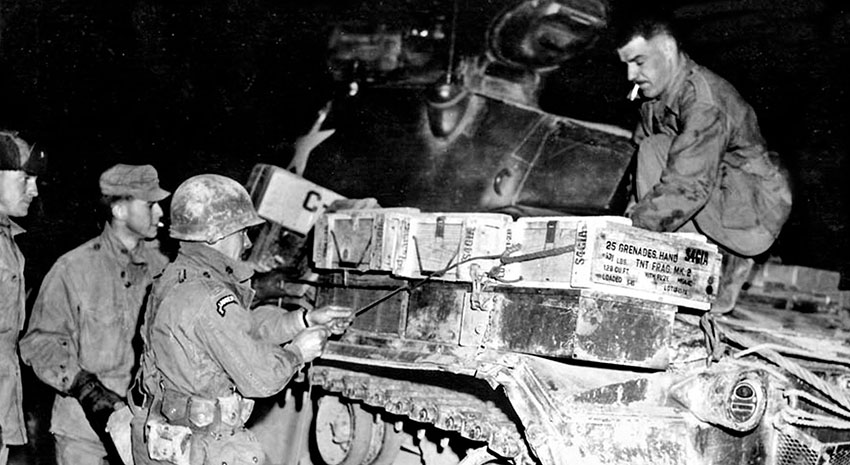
473	137
534	375
565	377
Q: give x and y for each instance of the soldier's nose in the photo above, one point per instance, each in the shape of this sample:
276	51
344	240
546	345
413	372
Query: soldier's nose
631	72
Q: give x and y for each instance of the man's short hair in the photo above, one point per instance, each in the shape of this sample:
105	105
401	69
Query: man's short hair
646	24
105	203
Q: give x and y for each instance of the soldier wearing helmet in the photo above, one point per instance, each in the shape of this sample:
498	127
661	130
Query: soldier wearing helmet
205	352
19	167
80	336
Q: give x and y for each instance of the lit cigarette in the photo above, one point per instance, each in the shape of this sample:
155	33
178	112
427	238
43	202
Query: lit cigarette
160	224
634	93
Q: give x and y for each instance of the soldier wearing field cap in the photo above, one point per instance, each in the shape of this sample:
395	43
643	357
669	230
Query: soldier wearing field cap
20	164
79	339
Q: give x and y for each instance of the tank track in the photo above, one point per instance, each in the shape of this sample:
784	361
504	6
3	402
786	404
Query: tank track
448	409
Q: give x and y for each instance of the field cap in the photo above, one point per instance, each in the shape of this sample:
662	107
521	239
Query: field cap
17	155
139	181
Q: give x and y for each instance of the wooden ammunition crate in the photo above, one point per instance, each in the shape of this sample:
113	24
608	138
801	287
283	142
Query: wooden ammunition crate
680	269
605	254
538	234
575	324
364	240
357	291
288	199
436	240
568	324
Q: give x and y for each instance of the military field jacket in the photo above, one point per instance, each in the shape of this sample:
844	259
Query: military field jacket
12	311
85	318
717	158
201	338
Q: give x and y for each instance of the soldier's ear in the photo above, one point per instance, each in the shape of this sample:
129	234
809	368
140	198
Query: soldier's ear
119	210
668	45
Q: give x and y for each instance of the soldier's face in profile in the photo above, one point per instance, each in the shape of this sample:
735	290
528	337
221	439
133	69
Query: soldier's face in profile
17	189
235	245
650	63
143	217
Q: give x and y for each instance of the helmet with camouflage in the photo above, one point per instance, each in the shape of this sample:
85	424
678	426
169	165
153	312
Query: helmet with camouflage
209	207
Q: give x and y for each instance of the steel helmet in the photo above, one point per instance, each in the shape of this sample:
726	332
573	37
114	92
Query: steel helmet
209	207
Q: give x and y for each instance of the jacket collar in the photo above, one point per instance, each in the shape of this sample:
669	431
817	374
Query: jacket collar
670	99
10	227
228	268
109	240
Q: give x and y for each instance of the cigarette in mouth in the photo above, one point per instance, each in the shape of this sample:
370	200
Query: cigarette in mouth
634	93
160	224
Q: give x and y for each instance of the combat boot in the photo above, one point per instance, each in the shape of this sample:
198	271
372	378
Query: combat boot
734	273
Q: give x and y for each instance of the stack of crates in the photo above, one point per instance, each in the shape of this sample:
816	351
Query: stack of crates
604	254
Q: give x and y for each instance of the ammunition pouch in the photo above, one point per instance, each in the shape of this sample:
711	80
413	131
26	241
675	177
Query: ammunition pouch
219	414
167	442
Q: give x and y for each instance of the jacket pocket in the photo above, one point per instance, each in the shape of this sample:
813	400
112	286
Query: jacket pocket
737	198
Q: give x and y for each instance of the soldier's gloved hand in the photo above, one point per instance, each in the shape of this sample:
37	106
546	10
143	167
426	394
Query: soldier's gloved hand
311	342
353	204
336	318
97	400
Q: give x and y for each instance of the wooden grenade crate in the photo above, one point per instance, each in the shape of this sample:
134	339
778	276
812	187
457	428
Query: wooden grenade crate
675	268
288	199
549	233
364	240
436	240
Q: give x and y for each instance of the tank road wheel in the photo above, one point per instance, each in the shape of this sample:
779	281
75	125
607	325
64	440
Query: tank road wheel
389	443
342	432
480	456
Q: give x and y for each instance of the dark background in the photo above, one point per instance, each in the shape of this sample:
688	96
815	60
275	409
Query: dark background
217	86
195	87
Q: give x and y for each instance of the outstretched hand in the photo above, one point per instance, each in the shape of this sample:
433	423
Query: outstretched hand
311	342
337	319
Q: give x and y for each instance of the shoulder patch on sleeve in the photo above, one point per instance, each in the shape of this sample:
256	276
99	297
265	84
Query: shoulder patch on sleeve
222	303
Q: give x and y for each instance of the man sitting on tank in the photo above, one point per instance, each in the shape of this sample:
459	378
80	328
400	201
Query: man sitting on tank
702	163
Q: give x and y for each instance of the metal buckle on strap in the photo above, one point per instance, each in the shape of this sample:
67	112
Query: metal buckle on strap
137	397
